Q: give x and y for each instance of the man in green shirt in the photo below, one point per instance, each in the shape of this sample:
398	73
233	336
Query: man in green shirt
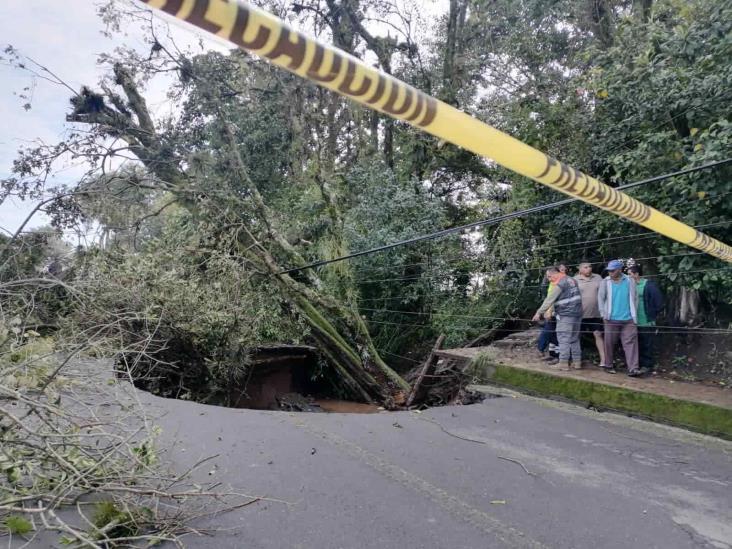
650	302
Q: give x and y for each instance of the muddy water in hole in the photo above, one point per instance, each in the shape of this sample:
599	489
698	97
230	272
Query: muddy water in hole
346	407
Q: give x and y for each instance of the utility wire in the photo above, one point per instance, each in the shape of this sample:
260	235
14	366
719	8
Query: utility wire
666	329
576	228
646	235
526	270
452	275
499	219
659	329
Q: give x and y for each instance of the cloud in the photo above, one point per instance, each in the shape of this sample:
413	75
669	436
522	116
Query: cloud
66	37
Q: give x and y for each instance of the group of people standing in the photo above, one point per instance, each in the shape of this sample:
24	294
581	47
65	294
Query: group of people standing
620	307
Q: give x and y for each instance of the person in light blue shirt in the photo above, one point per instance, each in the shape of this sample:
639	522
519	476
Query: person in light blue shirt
617	300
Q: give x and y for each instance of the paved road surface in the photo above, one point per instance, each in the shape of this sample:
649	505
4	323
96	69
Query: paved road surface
400	480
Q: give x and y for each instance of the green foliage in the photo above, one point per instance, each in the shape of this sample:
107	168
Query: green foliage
113	521
188	301
32	347
668	106
146	454
261	164
25	363
652	99
17	525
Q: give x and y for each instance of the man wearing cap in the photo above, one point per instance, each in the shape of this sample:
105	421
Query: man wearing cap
617	300
567	302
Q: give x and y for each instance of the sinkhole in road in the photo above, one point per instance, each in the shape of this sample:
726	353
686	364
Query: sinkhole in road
282	378
279	377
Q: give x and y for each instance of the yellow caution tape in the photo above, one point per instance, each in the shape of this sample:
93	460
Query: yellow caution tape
259	32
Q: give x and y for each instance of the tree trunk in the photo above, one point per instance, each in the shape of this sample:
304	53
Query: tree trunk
455	25
448	91
687	307
343	338
339	332
601	24
642	9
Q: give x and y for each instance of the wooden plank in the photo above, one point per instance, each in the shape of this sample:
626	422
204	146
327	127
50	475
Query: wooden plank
428	365
484	338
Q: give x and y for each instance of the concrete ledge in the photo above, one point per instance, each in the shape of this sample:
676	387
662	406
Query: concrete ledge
694	415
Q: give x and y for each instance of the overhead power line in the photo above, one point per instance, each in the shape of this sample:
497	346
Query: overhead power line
449	275
499	219
659	329
443	261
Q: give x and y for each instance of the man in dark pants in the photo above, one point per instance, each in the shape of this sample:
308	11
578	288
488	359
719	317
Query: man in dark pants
589	286
650	302
548	343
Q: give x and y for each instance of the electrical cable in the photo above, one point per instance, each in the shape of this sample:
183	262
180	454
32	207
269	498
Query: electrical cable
526	270
518	319
495	220
522	287
646	235
659	329
450	275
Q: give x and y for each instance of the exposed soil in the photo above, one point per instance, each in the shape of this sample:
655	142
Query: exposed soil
695	362
278	378
292	378
346	406
284	378
694	357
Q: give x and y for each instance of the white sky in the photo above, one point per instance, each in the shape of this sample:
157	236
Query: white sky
66	36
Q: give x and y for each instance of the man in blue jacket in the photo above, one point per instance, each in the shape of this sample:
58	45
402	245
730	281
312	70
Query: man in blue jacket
650	303
617	300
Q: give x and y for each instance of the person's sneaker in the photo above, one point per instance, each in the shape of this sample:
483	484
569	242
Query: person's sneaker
552	360
549	358
635	373
609	369
560	365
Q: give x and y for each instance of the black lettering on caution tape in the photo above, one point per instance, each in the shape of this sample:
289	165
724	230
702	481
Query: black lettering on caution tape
415	106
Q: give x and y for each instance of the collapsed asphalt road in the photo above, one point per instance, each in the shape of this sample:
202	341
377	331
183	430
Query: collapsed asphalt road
509	472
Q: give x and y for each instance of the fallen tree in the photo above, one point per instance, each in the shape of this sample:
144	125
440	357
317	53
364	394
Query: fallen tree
198	160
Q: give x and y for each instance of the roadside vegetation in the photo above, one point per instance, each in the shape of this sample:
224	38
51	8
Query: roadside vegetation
200	208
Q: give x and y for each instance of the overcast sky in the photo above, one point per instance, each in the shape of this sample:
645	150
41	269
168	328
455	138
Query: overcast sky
65	36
